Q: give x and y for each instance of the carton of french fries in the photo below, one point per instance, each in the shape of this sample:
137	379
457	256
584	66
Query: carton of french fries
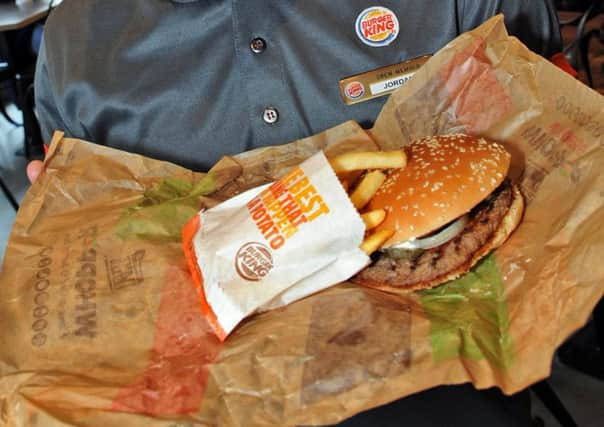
286	240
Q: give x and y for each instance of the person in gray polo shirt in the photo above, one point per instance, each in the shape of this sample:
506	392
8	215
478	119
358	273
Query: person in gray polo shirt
189	81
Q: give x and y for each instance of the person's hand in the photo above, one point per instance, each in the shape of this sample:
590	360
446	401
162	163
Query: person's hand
34	169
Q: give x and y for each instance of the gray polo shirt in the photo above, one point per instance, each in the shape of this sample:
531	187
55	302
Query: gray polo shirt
182	80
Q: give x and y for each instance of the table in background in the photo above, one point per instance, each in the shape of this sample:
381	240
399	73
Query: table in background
14	17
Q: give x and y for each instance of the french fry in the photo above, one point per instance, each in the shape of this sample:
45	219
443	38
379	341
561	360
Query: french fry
351	176
345	184
373	218
363	193
368	160
375	240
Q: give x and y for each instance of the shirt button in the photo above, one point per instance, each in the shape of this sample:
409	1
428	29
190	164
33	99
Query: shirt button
258	45
271	115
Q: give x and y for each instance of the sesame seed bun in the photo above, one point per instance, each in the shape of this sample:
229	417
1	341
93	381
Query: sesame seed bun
445	177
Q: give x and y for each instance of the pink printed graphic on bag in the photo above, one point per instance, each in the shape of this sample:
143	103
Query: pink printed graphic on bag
175	379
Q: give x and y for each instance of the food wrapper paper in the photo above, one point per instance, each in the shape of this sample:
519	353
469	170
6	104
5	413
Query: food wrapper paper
101	322
274	244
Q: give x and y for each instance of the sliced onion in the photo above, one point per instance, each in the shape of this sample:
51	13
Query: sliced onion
434	240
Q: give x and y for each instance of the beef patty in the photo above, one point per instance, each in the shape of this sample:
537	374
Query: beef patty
440	261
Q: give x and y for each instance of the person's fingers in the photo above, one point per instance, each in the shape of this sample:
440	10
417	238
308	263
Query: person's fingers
34	168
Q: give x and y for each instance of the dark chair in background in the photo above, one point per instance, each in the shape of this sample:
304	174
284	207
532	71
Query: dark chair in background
577	52
17	67
8	88
18	52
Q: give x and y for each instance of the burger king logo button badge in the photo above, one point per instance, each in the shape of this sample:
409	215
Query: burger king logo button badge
354	90
377	26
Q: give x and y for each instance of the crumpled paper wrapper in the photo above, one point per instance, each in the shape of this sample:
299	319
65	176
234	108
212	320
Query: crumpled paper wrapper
101	324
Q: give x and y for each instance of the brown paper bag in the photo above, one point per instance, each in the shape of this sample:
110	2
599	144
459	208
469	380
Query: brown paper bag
100	321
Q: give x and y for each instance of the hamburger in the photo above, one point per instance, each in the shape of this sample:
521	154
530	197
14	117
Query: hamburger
449	207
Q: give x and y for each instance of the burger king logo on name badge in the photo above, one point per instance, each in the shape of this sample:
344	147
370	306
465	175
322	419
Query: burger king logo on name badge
253	261
377	26
354	90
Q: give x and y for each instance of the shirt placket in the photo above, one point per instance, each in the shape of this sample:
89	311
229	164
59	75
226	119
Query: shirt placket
272	114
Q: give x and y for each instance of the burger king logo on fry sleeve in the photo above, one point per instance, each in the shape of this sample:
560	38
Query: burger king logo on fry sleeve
377	26
253	261
354	90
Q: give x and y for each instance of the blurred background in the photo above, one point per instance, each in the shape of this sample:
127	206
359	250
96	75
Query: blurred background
573	394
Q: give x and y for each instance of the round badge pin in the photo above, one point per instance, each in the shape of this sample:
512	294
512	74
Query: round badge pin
354	90
377	26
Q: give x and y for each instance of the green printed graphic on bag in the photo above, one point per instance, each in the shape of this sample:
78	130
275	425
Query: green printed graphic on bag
469	317
164	209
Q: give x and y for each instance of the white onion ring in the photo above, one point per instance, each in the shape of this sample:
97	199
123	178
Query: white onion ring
434	240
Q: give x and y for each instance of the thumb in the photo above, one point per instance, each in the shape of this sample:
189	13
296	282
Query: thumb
34	169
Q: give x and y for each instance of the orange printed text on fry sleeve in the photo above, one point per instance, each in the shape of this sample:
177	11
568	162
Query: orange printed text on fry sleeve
282	208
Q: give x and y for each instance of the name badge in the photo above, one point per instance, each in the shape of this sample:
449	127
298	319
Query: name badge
379	82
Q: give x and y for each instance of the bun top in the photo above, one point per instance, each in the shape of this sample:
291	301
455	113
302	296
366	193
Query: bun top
445	177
